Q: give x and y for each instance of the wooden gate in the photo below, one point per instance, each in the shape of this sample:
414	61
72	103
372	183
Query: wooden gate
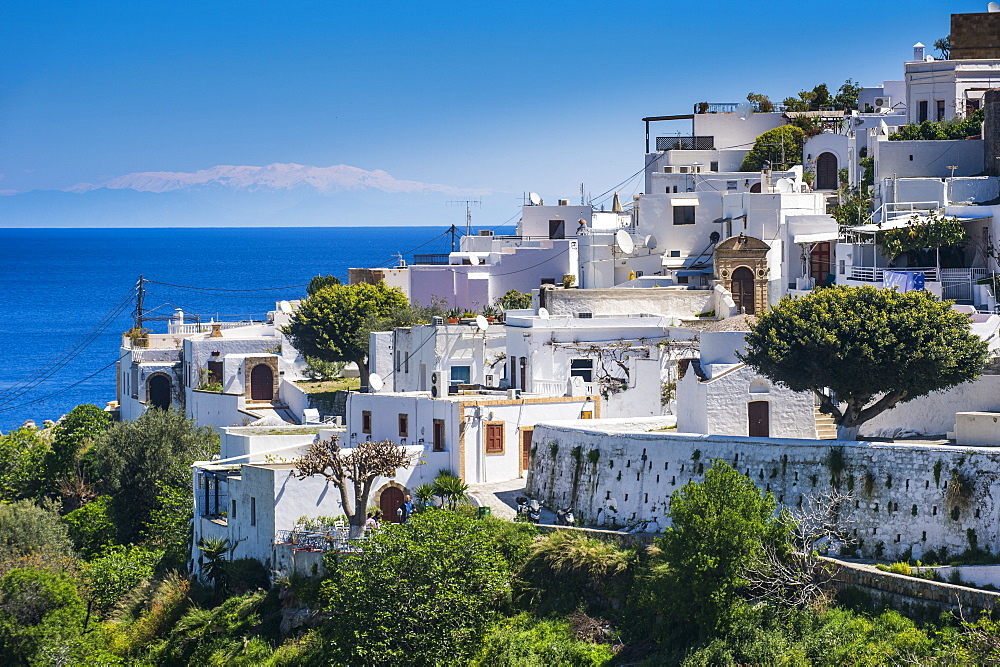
526	449
261	383
742	289
759	422
390	501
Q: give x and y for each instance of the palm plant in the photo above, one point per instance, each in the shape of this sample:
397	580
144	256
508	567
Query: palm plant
214	549
424	493
450	489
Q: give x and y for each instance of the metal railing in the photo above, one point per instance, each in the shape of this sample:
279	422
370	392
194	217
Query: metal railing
315	540
875	274
434	258
685	143
206	327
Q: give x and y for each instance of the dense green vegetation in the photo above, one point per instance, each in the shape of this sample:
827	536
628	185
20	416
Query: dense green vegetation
90	586
957	128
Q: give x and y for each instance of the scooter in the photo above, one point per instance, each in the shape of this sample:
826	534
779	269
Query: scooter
534	511
522	507
565	517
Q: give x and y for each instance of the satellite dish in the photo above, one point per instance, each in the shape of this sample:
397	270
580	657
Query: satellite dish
285	307
482	323
650	242
543	313
624	242
743	110
993	7
473	260
375	382
534	199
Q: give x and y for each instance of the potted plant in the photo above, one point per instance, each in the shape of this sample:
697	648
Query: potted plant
490	313
453	315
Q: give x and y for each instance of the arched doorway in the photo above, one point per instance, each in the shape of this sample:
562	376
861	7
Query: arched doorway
826	171
390	501
158	389
742	289
758	419
755	187
261	383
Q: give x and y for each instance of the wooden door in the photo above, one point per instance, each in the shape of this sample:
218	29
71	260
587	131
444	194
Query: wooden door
526	449
524	374
390	501
826	172
261	383
819	262
759	423
742	289
159	392
513	372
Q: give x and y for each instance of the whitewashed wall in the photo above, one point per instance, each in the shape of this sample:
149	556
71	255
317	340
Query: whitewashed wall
902	506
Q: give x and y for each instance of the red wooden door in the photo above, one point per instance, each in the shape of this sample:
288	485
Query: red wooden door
390	501
819	262
758	415
261	383
526	449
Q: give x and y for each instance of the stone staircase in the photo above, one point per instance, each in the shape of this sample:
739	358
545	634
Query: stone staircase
826	428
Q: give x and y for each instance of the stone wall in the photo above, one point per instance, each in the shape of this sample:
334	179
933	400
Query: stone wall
991	131
621	473
975	36
901	592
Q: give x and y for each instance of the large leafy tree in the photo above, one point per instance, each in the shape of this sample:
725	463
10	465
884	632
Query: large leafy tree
721	529
862	350
781	146
354	471
420	593
135	459
333	323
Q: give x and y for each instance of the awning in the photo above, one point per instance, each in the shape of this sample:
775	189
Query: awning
695	272
816	238
684	201
904	221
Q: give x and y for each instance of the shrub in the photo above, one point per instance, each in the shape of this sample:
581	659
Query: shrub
523	641
90	527
39	610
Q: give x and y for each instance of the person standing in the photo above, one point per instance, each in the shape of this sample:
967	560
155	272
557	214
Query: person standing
405	510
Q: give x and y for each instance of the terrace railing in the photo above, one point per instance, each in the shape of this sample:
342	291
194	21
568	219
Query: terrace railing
685	143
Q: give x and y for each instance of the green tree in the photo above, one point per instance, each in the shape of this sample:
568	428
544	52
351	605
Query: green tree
781	146
90	527
720	528
862	350
761	103
450	489
134	458
22	463
169	526
115	573
72	435
319	282
26	527
39	611
956	128
943	46
334	323
847	96
420	593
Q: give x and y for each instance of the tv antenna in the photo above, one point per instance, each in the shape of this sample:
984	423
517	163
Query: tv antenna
469	203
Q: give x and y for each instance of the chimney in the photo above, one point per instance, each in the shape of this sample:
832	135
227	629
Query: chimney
918	52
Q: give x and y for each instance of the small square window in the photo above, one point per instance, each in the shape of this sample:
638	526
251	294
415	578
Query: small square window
713	165
366	421
582	368
404	425
684	215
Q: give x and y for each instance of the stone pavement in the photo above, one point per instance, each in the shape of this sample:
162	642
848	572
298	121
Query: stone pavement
501	498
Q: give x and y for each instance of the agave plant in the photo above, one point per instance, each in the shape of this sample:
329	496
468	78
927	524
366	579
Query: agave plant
450	489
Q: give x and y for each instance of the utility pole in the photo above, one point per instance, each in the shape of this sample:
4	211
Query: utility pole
452	231
140	295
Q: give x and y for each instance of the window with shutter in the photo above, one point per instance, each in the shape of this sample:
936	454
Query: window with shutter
494	438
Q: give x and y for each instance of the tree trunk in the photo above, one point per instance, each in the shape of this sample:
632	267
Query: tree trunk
847	432
363	372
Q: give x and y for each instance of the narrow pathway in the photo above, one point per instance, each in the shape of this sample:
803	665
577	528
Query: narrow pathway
500	497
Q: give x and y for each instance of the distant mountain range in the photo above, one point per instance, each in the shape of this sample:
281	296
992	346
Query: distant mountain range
250	196
271	177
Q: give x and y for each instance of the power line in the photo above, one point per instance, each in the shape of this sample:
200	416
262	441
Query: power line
222	289
64	389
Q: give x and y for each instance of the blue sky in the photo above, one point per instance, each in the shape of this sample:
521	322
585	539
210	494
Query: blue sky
503	97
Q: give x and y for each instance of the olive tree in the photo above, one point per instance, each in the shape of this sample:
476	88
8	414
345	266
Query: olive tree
863	350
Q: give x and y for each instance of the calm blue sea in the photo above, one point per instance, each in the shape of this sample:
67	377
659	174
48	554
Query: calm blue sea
66	295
